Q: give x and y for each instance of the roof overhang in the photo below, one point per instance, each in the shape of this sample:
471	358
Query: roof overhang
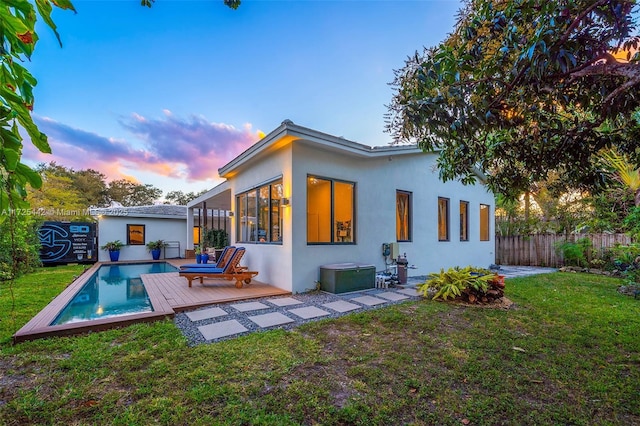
289	132
218	197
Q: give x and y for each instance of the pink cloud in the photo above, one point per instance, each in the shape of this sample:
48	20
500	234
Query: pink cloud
191	149
197	144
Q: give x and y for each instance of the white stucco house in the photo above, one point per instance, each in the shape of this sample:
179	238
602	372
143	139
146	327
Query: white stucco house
136	226
300	199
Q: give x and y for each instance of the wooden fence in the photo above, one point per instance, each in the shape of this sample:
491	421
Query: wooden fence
540	250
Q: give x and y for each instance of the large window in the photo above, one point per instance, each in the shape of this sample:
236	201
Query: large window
443	219
484	222
403	216
259	217
330	211
135	235
464	221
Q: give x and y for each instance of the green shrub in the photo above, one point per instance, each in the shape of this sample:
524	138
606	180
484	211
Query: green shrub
632	223
27	246
455	281
576	253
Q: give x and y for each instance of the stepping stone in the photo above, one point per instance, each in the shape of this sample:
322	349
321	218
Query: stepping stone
249	306
341	306
390	295
309	312
409	292
269	320
285	301
221	329
206	314
369	300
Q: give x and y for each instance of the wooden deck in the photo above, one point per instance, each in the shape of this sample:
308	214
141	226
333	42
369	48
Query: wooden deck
168	292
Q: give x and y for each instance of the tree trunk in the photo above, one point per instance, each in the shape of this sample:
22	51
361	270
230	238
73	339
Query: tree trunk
637	197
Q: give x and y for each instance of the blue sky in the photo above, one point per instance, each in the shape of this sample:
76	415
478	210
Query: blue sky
167	95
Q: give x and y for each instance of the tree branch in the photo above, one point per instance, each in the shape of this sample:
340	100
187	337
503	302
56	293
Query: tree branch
577	20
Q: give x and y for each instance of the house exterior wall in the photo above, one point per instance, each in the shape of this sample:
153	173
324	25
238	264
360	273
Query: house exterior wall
377	180
273	261
111	228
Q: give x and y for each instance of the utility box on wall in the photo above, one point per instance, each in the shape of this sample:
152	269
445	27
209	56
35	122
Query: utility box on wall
345	277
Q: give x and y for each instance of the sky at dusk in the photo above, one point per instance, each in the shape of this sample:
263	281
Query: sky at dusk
167	95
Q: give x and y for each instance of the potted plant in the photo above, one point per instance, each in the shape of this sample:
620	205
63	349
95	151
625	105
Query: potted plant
113	247
198	254
155	247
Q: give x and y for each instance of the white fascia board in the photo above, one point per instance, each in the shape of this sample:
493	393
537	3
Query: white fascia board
141	216
318	139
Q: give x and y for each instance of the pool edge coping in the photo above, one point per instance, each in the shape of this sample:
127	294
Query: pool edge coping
39	326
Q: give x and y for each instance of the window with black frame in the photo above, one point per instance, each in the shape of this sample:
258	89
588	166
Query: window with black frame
443	219
259	216
403	216
330	211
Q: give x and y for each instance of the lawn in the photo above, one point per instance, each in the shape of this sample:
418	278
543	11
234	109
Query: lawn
568	352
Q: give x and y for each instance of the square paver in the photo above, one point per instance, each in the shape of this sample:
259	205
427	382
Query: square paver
285	301
221	329
369	300
341	306
309	312
206	314
390	295
269	320
249	306
409	292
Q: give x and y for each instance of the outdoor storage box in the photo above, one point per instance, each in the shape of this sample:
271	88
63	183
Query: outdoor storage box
345	277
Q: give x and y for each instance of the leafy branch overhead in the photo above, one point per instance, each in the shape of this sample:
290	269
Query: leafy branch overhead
18	19
524	88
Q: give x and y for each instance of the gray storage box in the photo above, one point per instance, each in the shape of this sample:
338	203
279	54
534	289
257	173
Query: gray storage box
345	277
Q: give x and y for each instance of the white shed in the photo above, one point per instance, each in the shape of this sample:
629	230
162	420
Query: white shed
136	226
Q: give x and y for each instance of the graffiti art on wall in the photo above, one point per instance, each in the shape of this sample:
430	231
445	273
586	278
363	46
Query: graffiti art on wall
68	242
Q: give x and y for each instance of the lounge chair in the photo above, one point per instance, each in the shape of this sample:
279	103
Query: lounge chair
220	263
232	271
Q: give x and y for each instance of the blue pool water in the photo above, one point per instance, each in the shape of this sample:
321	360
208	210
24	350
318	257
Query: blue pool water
113	290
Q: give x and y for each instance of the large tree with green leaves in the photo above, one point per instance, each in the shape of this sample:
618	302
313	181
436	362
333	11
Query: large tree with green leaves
130	193
523	88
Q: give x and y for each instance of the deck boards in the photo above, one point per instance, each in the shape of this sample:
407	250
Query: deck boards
168	292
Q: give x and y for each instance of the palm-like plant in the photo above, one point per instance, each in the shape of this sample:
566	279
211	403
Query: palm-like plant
624	171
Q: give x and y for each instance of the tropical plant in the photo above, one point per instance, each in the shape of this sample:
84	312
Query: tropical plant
453	282
624	171
154	245
113	246
624	256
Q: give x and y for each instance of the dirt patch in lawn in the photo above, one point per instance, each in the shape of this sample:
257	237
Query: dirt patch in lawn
502	303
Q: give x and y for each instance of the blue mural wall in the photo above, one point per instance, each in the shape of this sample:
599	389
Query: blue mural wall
68	242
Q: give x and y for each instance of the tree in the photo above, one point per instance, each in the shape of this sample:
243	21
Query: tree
129	193
58	199
523	88
180	198
92	186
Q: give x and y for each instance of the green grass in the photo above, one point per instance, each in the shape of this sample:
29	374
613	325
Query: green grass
568	353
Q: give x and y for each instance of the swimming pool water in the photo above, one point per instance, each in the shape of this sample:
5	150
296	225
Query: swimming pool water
113	290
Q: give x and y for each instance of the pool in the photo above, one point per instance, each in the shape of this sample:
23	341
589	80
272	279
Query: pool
112	291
